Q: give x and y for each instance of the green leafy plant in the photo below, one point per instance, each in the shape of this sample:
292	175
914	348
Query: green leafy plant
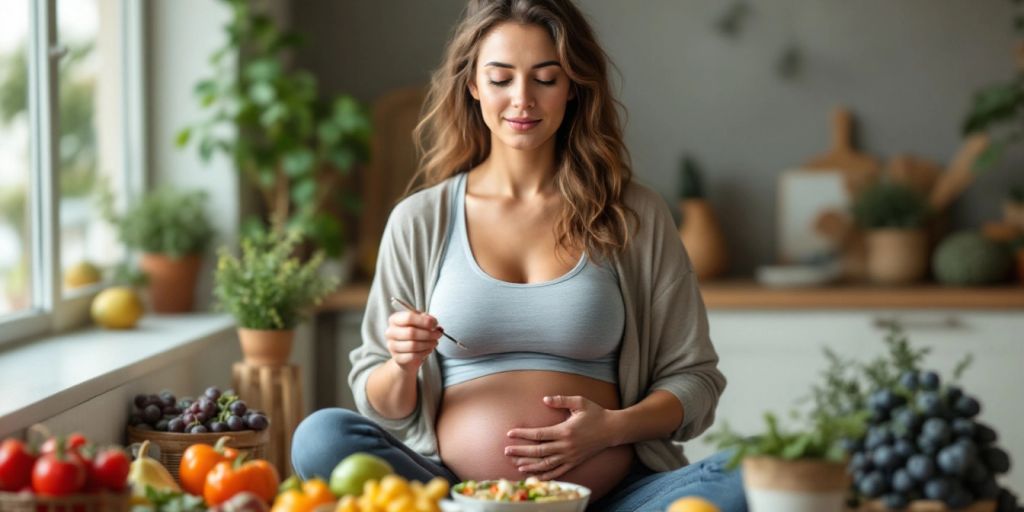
997	108
126	274
293	147
889	205
164	221
837	410
691	186
267	287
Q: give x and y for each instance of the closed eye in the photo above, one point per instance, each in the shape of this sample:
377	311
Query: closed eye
504	83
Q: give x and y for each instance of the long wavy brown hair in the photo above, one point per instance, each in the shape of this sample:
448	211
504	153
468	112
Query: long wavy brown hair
592	165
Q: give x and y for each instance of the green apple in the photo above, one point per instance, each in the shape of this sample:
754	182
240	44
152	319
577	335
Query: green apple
353	471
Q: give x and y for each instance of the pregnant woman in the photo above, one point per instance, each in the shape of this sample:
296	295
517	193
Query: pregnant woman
586	355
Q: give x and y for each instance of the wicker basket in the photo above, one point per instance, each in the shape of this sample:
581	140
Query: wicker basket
98	502
173	445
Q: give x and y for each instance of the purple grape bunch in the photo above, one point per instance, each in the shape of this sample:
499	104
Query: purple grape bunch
924	442
212	411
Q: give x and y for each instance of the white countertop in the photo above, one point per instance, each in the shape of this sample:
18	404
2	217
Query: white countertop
45	377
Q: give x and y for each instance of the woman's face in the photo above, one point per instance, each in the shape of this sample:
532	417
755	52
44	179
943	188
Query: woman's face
520	85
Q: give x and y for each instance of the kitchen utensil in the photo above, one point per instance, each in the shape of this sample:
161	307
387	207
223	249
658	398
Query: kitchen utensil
399	303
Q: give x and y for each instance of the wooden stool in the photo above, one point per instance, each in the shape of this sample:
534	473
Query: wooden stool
277	391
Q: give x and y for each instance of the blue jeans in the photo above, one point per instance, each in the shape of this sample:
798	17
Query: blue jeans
329	435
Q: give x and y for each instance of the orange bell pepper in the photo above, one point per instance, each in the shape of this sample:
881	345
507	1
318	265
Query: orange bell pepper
227	479
312	494
198	460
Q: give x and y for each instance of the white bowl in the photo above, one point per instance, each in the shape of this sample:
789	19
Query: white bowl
467	504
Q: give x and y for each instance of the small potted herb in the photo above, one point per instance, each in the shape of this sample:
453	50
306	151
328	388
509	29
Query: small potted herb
700	231
893	216
269	291
800	469
172	230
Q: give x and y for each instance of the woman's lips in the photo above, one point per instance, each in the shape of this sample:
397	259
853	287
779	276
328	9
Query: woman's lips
522	124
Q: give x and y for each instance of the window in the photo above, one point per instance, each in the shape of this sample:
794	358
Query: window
70	118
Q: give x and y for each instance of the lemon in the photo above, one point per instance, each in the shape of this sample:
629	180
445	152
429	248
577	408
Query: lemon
692	504
81	274
117	308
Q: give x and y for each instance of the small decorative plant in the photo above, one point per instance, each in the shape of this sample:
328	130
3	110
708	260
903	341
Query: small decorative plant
691	186
165	221
267	287
889	205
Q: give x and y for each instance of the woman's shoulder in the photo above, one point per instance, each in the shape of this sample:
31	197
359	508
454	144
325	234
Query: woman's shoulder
423	203
645	201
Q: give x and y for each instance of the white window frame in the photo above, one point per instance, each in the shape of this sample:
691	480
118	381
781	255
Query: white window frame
51	310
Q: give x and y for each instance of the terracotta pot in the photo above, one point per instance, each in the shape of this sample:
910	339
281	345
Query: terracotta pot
703	239
266	347
777	485
172	281
897	256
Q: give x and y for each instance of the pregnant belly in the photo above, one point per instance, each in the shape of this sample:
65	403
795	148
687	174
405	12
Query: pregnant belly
476	415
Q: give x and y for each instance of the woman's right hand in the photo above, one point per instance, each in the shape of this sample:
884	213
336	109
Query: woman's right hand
411	338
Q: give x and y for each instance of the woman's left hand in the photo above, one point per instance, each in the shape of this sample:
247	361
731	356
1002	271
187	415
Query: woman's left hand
565	445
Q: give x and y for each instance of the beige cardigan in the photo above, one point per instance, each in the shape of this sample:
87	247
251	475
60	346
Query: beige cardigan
665	343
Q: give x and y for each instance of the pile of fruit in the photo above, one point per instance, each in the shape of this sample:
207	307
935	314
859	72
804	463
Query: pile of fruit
924	442
62	467
394	493
214	411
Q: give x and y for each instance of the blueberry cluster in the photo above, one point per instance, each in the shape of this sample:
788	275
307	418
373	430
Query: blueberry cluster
214	411
923	442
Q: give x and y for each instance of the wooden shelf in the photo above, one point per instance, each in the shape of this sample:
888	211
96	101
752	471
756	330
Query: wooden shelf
746	294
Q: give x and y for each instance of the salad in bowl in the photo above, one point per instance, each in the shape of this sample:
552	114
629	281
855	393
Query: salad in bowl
531	495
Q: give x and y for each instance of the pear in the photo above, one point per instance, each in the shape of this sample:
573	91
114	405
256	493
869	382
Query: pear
146	471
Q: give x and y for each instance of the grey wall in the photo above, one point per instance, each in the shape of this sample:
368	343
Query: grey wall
907	68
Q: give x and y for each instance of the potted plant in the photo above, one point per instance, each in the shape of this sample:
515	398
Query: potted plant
294	147
803	468
172	230
893	217
700	232
269	291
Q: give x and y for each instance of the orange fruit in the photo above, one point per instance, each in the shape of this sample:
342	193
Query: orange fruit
692	504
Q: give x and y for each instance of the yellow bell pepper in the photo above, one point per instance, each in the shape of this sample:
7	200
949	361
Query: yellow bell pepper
312	494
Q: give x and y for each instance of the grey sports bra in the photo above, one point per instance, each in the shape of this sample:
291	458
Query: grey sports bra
573	323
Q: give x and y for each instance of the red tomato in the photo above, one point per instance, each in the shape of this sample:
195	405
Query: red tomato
75	447
15	465
109	469
55	474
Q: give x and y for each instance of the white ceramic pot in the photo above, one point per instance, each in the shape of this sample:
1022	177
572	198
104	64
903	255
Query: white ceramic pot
776	485
766	500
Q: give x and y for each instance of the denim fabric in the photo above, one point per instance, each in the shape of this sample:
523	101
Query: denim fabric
329	435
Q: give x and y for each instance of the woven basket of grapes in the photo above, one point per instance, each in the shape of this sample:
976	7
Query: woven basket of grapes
104	501
171	425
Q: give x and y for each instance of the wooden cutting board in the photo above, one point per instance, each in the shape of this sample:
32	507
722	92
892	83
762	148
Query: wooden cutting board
392	164
860	169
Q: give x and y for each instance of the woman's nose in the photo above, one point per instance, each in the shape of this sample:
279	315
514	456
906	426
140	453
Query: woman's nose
522	97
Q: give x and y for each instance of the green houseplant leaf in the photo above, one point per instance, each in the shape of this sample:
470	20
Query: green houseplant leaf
267	286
